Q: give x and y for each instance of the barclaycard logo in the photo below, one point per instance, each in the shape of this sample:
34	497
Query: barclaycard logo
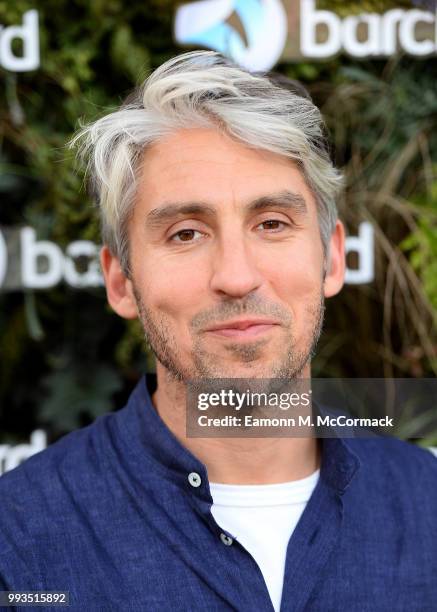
264	22
29	263
312	33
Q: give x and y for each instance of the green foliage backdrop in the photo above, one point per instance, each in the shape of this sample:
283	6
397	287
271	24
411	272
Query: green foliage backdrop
65	358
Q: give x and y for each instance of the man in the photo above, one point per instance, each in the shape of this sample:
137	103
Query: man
217	202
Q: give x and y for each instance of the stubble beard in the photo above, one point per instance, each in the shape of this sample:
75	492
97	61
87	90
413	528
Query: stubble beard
205	364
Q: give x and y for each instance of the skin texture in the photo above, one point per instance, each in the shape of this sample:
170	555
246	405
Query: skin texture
224	260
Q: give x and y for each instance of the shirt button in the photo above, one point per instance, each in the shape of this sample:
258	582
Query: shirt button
194	479
227	541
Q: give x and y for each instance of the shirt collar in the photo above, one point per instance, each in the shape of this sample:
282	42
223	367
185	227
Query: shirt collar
150	447
147	442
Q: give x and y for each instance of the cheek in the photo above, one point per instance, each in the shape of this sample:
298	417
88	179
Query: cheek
297	277
176	292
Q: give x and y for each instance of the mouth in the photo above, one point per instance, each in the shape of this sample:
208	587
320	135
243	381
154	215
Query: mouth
240	330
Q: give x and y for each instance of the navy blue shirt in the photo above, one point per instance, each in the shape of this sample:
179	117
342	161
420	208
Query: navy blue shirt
110	514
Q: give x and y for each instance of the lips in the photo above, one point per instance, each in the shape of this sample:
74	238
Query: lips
243	328
242	324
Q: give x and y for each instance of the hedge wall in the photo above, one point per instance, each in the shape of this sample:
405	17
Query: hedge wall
65	358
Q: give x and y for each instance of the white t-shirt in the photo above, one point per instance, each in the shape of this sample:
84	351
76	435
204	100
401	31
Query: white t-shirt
262	518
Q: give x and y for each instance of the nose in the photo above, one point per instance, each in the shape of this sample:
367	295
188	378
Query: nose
235	273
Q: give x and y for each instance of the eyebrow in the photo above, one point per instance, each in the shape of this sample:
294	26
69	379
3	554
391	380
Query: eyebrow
286	200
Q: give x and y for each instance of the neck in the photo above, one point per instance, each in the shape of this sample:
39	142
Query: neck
236	460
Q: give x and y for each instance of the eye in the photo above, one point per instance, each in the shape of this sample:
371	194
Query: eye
273	225
185	235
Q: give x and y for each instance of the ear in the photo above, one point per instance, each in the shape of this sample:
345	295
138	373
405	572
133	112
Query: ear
336	264
118	287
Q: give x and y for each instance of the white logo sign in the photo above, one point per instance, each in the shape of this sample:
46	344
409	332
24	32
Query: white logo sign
12	456
57	266
28	33
381	32
41	264
363	246
264	22
322	33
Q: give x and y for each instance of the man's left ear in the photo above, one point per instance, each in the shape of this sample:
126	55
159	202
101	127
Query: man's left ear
336	264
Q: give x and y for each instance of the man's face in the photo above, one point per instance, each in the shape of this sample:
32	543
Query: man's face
224	236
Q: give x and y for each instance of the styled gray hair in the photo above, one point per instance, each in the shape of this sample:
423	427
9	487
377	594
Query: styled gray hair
204	89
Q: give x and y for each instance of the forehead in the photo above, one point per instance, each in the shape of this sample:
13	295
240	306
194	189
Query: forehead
206	165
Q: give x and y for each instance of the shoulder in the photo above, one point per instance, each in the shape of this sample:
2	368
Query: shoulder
396	463
392	450
38	496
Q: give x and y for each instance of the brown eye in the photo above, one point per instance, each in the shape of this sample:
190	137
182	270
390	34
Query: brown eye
272	224
185	235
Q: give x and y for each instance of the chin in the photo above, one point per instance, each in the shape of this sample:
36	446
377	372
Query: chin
246	370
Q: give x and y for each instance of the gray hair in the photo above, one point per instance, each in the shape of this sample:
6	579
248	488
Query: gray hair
204	89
